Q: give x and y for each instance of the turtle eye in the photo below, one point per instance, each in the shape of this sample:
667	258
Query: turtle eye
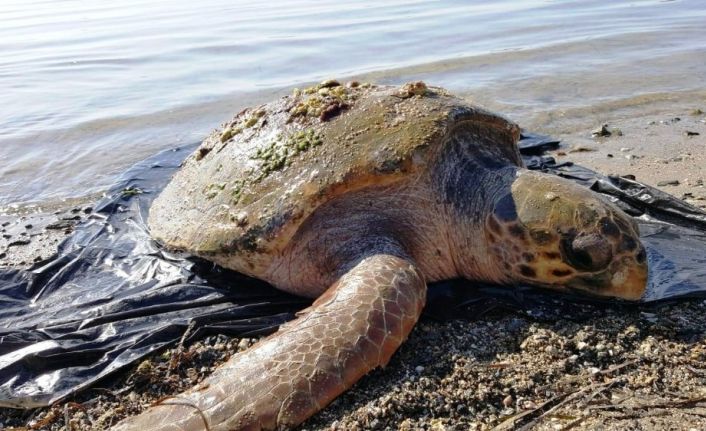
587	252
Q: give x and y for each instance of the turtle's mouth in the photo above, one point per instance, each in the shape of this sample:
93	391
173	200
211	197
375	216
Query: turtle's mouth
627	281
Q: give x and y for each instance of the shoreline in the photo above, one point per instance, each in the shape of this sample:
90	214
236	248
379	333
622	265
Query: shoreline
620	368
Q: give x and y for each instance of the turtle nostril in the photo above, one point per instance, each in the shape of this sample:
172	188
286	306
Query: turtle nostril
641	256
589	252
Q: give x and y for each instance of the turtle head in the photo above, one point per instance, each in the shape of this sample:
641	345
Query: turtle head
552	232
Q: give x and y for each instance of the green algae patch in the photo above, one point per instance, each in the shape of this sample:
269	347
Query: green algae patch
303	140
254	118
235	128
272	158
238	126
279	153
229	132
212	190
236	190
250	122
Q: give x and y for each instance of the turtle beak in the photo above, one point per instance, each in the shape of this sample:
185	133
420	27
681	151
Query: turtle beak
629	282
626	279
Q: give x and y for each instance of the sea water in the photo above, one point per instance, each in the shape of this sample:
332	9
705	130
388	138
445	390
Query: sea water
88	88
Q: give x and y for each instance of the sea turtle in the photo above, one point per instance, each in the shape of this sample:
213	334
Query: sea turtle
359	195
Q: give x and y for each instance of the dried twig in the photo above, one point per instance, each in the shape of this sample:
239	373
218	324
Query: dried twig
178	352
539	413
573	423
647	409
618	367
674	404
696	371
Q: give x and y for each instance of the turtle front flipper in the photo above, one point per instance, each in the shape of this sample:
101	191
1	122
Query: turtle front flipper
354	327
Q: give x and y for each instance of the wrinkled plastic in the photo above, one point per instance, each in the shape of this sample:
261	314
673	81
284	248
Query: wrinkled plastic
111	296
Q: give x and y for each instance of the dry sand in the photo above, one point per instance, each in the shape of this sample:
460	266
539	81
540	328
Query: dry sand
614	368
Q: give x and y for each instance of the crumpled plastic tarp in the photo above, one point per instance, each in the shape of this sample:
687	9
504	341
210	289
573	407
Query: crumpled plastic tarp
111	296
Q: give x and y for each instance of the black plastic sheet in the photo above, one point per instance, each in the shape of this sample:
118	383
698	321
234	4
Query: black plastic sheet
111	296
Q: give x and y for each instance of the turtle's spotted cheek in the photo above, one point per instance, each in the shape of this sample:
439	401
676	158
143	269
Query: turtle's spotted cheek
554	233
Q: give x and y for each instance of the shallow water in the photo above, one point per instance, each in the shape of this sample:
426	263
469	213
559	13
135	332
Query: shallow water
88	88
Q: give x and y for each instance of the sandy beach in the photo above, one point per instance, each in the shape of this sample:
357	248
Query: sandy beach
613	368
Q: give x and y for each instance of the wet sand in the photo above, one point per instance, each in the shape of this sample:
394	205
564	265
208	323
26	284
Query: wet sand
619	368
665	150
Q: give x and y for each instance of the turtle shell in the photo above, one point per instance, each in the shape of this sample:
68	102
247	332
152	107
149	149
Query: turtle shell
252	182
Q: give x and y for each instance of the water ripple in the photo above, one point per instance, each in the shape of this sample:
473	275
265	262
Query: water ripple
90	87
